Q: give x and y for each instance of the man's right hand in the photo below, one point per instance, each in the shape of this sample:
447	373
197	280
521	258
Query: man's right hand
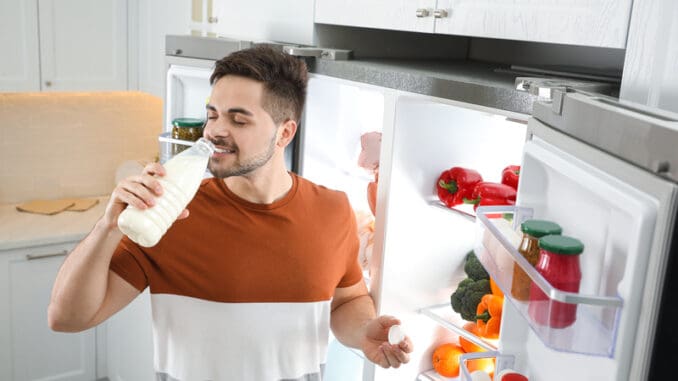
139	191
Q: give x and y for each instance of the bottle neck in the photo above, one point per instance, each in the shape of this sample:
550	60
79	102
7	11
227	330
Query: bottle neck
204	146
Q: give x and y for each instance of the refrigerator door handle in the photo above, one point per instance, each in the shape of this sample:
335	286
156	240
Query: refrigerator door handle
330	54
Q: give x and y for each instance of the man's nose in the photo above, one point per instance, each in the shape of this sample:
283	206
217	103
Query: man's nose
215	130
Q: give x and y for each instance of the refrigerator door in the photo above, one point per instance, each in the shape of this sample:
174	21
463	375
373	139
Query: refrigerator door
622	210
337	114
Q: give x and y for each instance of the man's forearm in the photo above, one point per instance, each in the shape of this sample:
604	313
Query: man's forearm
80	286
349	319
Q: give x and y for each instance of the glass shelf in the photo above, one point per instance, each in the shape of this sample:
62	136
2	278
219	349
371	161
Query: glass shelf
465	210
595	327
166	143
501	362
446	317
432	375
166	137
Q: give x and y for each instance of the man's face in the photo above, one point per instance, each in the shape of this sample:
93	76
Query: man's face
237	123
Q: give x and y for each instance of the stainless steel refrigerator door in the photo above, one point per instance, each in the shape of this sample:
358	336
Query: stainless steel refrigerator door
627	144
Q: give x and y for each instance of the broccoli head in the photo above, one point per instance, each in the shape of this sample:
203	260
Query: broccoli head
467	296
473	268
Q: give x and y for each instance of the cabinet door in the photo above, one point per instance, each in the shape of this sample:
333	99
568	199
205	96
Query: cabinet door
599	23
83	45
379	14
160	17
19	68
289	21
29	349
129	341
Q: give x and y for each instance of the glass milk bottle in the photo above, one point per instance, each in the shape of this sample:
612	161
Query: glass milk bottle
184	173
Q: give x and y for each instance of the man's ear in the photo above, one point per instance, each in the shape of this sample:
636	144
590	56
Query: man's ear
286	133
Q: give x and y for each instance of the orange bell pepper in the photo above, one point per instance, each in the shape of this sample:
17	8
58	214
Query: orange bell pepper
488	315
495	289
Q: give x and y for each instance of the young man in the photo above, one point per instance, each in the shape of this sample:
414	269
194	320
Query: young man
247	286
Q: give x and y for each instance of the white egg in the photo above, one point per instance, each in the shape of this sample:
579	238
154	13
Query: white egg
395	335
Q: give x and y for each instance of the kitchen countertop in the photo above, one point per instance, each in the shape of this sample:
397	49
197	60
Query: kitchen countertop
20	229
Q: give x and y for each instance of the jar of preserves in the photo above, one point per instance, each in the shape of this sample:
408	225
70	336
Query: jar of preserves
188	129
529	248
559	265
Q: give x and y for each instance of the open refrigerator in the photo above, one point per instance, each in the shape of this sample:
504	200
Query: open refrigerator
604	170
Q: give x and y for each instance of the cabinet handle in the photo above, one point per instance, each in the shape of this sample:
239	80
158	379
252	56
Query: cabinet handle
32	257
212	20
48	83
440	13
422	12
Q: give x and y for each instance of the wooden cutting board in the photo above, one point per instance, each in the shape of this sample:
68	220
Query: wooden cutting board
48	207
51	207
82	204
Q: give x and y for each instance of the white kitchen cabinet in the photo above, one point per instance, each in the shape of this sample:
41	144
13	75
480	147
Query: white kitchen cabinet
64	45
83	45
157	19
289	21
598	23
19	67
129	342
405	15
29	349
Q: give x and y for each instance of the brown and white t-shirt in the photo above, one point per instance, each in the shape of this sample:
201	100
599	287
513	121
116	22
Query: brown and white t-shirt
242	291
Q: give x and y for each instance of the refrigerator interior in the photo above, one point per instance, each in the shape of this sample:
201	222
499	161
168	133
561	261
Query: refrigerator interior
187	90
425	243
620	212
336	114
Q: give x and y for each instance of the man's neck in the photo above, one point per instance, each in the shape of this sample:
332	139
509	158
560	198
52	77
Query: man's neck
263	187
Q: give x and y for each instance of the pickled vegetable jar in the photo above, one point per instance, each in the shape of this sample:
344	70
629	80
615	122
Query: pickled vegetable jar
188	129
559	265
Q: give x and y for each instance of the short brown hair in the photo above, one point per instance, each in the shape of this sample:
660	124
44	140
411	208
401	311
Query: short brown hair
284	78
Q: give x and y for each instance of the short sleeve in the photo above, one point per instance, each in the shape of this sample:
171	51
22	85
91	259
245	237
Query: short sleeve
353	273
126	264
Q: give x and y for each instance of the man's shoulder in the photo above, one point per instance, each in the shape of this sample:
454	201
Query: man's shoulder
309	188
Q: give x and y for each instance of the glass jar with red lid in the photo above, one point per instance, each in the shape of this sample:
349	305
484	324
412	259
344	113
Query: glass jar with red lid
559	264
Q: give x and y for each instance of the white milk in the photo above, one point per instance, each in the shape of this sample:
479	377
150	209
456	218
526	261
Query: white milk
184	173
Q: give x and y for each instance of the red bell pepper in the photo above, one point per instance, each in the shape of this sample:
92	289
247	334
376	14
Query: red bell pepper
510	176
488	193
455	184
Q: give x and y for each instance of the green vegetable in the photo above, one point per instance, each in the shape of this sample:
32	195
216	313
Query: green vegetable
473	268
467	296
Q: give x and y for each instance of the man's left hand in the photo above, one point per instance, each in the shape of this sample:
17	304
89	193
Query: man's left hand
377	348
